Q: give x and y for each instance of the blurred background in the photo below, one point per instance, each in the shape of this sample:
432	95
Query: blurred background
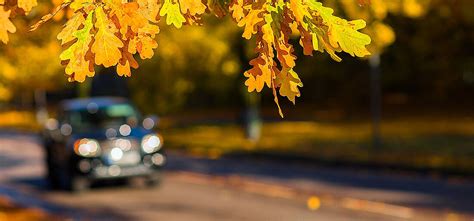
390	137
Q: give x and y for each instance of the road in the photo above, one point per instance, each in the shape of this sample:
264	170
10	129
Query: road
236	189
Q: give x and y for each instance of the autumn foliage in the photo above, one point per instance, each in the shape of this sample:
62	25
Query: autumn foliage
114	33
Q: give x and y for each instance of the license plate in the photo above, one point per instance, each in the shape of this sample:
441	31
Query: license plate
128	158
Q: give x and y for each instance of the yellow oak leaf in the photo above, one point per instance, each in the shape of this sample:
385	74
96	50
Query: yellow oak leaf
237	10
250	21
149	9
127	61
129	17
67	34
284	54
267	30
149	29
27	5
106	45
195	7
78	67
173	15
144	43
124	16
299	11
5	25
260	74
289	82
145	47
253	83
343	34
124	69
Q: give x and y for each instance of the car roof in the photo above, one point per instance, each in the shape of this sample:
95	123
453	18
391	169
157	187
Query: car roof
81	103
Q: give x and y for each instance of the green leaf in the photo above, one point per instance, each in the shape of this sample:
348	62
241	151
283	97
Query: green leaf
173	14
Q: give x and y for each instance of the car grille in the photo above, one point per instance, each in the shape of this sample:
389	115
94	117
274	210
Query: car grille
120	151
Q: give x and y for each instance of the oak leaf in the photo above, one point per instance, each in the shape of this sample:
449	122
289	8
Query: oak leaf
250	22
173	15
106	44
5	25
144	43
260	74
237	10
194	7
288	81
343	34
145	47
299	11
149	9
127	61
78	67
285	54
124	69
267	30
129	17
349	39
71	26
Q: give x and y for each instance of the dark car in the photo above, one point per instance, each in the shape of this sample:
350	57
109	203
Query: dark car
101	138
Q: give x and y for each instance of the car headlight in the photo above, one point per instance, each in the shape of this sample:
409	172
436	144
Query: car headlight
151	143
87	147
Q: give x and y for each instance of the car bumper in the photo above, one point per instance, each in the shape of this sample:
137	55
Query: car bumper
98	168
115	171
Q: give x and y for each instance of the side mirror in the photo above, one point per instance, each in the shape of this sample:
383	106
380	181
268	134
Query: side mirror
150	122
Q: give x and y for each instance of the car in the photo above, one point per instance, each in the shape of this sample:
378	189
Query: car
101	138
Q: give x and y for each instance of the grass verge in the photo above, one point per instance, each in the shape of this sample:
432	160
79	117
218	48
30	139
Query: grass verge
434	144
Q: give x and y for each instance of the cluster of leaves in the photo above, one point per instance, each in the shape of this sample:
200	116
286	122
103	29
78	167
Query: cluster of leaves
113	32
272	22
107	33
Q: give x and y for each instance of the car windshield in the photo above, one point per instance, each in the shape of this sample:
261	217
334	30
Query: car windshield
103	117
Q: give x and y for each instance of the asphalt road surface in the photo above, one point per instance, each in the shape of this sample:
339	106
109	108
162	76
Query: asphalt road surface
236	189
